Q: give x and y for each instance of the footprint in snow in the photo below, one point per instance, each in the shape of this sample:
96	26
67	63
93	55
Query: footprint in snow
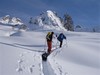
20	61
31	68
19	69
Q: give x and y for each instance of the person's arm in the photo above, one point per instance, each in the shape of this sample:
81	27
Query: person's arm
64	36
54	36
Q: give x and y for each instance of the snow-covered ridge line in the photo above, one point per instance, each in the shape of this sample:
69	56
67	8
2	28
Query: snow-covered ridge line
48	20
55	19
10	20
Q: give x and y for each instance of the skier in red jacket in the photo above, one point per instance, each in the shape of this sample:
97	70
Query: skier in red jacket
49	37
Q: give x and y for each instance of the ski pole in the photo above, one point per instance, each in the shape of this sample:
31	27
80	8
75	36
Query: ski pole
66	43
56	43
45	45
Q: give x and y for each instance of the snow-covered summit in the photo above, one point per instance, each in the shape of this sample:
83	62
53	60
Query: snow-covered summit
55	19
48	20
10	20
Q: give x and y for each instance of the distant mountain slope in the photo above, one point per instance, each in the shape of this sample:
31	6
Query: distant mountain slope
48	19
56	20
10	20
96	28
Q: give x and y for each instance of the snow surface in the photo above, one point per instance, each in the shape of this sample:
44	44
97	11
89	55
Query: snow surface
20	53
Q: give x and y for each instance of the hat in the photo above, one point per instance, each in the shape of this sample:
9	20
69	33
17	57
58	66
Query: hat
52	32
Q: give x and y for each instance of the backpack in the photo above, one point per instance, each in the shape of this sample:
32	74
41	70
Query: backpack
44	56
48	36
61	37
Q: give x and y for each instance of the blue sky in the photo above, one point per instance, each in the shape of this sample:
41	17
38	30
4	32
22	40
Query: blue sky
83	12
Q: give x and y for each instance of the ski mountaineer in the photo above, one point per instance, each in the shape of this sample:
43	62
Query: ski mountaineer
60	38
49	37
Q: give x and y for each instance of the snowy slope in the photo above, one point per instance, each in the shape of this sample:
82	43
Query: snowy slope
20	53
51	21
82	56
10	20
88	29
48	20
55	19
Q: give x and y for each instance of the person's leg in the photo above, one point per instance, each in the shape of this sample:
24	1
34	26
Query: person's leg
60	43
49	46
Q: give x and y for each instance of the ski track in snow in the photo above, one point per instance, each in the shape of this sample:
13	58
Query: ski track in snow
56	67
48	69
45	67
30	62
24	64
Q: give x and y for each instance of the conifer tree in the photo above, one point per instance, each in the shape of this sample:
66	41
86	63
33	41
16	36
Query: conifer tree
68	22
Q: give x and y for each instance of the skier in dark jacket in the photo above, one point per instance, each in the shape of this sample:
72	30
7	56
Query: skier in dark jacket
60	38
49	37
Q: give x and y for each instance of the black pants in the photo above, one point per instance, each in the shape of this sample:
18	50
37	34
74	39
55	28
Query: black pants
61	43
